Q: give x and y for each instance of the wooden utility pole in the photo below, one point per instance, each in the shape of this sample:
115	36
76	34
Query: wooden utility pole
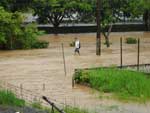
148	21
121	56
138	56
98	37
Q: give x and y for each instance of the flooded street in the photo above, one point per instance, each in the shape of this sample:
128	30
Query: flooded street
33	68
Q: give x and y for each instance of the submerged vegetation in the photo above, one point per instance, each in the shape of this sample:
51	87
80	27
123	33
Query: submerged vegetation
123	84
131	40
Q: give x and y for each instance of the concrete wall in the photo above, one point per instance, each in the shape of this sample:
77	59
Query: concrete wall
90	29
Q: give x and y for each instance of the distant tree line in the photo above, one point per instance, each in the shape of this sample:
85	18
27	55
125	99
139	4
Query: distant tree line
54	11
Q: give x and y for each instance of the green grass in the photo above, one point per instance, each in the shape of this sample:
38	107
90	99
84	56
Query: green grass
67	109
7	98
37	105
74	110
123	84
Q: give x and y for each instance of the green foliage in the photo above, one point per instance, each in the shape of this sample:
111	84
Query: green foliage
124	84
106	43
53	11
67	109
41	44
28	37
131	40
37	105
9	99
78	74
80	79
14	36
74	110
41	33
6	4
9	27
72	44
15	5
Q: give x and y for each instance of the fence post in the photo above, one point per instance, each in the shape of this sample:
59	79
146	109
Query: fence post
43	87
21	94
64	59
121	59
52	111
138	55
72	82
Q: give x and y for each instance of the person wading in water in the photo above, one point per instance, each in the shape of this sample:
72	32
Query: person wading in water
77	46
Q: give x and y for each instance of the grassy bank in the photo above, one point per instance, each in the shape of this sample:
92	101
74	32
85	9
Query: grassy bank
67	109
7	98
10	102
123	84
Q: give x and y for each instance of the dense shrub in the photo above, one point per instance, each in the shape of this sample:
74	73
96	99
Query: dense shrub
40	44
15	36
131	40
124	84
8	98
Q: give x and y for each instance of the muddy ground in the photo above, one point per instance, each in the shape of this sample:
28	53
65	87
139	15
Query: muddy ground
33	68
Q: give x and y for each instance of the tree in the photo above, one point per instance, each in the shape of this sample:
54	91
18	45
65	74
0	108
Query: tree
21	5
111	11
15	5
6	4
9	28
146	13
54	11
14	36
139	8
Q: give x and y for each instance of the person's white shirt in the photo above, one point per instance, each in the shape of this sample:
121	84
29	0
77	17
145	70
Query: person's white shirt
77	44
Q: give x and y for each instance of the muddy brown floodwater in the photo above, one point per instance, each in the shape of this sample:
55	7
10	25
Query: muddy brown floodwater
33	68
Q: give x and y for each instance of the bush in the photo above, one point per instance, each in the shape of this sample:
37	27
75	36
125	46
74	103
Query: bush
15	36
84	79
78	74
106	43
40	44
72	44
9	99
125	84
131	40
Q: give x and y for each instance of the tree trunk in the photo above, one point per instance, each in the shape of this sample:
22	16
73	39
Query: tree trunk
107	36
146	18
56	25
56	19
98	38
148	21
107	41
